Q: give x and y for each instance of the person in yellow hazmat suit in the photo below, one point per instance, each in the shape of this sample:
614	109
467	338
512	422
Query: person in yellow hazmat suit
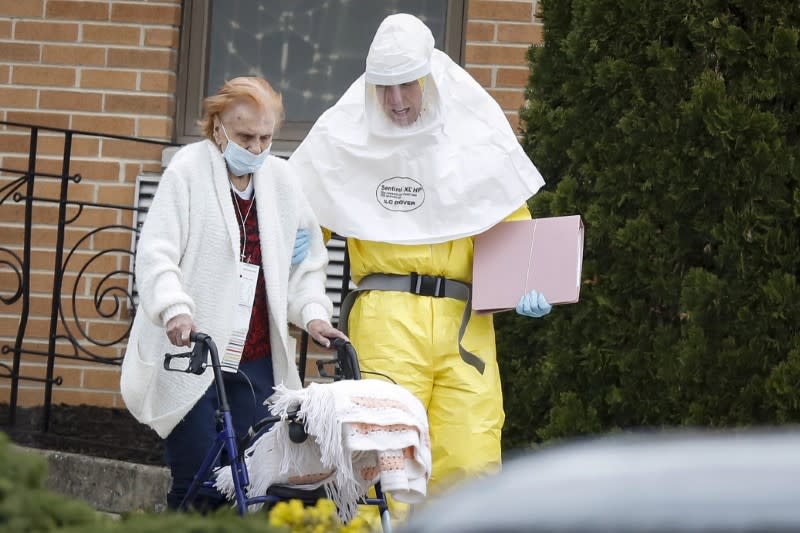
413	161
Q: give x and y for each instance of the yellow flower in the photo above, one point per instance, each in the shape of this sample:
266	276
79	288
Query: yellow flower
279	515
320	518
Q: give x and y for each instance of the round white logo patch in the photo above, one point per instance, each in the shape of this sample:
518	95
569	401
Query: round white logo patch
400	194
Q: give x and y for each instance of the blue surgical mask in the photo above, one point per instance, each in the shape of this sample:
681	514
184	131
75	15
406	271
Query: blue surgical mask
240	160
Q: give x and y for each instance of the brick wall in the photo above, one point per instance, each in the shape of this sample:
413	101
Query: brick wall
96	65
110	66
102	66
498	35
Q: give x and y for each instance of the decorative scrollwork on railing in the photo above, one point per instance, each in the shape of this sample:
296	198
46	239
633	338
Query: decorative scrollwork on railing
11	187
9	261
76	178
110	296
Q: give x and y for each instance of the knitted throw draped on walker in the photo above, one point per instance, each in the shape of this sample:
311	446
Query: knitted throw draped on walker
360	432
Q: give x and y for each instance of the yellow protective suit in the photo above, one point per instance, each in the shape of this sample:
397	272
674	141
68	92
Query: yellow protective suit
414	340
390	187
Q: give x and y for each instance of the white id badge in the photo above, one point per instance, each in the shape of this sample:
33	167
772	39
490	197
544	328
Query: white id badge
248	275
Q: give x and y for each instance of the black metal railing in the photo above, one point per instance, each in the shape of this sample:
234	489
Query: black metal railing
109	289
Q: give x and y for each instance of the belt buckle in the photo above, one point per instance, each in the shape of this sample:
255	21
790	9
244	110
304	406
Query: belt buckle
427	285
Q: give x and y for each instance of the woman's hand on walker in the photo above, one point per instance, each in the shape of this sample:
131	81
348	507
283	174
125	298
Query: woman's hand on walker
322	332
179	328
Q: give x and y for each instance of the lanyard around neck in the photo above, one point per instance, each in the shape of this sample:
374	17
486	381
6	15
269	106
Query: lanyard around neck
243	223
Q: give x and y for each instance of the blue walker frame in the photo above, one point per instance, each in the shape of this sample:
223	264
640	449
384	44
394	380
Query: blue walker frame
347	368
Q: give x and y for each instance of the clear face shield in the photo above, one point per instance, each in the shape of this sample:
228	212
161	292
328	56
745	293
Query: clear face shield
403	109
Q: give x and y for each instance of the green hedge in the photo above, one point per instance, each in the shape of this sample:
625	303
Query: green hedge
673	128
27	506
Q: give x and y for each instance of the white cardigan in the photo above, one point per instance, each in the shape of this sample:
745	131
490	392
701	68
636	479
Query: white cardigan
187	262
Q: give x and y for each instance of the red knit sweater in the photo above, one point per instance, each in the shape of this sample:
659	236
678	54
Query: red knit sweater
256	345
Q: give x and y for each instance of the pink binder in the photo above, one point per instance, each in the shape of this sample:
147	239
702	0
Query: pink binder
512	258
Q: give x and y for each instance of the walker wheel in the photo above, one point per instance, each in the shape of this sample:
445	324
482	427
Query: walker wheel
297	432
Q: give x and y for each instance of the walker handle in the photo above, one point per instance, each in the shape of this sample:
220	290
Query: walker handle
197	357
346	362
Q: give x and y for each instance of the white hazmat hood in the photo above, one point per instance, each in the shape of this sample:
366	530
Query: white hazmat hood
456	171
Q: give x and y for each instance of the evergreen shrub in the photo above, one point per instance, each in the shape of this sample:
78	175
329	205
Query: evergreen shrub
26	505
673	129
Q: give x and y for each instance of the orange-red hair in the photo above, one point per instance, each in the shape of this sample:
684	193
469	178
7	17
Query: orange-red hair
255	88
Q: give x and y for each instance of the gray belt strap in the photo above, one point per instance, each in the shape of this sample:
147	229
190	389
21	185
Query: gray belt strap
421	285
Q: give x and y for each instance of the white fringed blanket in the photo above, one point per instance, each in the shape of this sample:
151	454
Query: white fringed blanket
360	432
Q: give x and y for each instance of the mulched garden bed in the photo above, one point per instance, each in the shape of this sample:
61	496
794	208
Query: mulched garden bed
86	430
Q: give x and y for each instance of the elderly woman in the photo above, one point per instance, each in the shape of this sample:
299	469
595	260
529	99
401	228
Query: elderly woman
223	251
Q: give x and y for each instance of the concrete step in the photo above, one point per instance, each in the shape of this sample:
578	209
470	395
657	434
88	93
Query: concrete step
107	485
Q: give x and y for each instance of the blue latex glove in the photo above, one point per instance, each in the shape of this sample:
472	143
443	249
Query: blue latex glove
301	243
533	304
